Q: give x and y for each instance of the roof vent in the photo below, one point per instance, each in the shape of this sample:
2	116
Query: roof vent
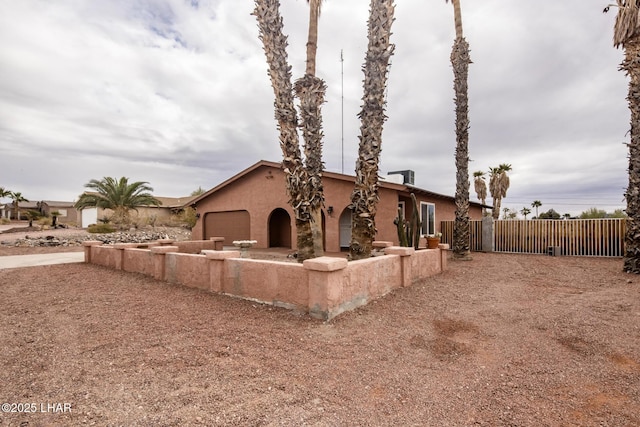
409	176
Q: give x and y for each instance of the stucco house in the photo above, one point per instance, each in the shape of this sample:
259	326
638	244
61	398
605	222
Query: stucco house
253	205
8	210
150	214
67	213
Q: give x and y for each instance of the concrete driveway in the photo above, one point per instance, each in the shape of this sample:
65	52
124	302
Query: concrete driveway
18	261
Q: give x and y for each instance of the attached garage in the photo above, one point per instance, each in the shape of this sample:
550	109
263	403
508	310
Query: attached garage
232	225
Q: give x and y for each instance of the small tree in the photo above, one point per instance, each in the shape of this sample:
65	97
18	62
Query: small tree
32	215
4	193
54	218
480	185
593	213
525	211
198	191
536	204
498	186
17	199
550	214
117	195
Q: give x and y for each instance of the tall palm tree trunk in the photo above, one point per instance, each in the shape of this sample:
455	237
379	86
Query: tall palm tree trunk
631	65
626	33
364	198
275	43
311	90
460	61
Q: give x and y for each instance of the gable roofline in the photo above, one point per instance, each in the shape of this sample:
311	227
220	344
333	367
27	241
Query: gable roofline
404	189
57	203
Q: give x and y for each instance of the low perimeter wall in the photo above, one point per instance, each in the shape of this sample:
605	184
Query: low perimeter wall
324	287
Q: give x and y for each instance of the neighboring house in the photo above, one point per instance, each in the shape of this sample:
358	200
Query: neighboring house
150	214
9	209
5	211
253	205
68	214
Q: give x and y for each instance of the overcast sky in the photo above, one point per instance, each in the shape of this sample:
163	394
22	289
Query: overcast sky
176	93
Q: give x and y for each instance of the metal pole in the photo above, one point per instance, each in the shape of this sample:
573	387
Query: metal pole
342	106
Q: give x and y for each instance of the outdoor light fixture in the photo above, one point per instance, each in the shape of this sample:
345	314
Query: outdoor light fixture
330	210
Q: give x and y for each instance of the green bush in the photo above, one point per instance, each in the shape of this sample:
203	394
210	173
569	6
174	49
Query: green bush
100	228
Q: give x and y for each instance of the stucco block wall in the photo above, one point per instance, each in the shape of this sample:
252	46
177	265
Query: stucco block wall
426	262
106	256
139	261
187	269
324	287
372	277
278	283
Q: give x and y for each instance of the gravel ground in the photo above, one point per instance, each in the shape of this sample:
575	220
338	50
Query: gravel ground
502	340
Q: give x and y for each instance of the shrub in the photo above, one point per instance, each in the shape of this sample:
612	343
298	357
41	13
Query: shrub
100	228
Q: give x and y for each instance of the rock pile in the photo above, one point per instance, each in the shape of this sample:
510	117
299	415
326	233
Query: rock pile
136	236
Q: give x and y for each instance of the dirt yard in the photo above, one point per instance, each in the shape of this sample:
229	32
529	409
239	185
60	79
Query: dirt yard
503	340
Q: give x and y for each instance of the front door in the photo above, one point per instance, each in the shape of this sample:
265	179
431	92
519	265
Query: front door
345	228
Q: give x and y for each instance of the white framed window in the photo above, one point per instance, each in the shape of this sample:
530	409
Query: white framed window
402	209
428	217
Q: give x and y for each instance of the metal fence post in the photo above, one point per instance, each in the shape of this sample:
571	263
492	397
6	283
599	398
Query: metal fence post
488	234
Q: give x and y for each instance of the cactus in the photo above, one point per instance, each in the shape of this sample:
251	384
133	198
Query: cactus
409	231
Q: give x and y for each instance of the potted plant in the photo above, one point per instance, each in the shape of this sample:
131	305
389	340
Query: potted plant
433	240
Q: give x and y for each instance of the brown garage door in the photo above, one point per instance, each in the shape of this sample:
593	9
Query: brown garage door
232	225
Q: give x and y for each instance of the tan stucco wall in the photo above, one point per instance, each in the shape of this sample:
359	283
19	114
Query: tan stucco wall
324	287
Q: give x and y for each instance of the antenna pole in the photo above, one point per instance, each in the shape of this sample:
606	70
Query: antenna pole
342	105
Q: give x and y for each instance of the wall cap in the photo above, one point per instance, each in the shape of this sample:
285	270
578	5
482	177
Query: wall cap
220	255
325	263
399	250
164	249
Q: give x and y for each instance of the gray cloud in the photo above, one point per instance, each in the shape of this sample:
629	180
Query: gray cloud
176	93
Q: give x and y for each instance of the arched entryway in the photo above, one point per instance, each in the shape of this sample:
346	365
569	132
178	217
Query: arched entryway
345	228
279	229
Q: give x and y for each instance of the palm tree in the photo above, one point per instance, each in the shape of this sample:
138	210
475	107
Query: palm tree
480	185
498	186
310	90
460	61
297	180
17	198
536	204
117	195
4	193
364	197
525	211
627	35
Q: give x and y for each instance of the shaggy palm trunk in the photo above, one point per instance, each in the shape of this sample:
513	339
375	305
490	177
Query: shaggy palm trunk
364	198
481	190
631	65
275	43
310	90
460	61
497	202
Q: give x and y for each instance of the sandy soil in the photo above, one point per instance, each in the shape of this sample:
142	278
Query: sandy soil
503	340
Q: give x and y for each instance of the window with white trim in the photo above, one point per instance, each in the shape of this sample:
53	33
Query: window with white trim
428	217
